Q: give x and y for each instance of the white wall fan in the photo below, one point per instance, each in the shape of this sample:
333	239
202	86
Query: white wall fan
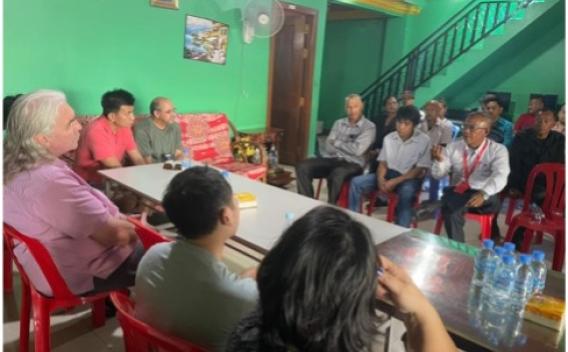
261	19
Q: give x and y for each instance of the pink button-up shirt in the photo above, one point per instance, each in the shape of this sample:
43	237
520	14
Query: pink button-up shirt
54	205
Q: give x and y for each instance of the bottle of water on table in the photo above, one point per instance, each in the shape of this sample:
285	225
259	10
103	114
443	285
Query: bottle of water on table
522	290
539	272
499	293
484	263
510	250
186	159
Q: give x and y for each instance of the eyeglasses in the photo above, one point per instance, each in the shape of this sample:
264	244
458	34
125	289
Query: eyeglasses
472	128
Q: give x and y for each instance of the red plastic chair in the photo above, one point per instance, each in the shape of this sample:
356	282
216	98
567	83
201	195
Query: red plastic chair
8	284
342	199
146	234
139	336
553	208
392	201
43	305
485	221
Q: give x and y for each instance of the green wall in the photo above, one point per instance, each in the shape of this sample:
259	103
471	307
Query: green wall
88	47
352	58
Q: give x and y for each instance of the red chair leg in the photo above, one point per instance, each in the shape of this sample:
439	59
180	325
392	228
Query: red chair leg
510	210
318	189
343	199
8	284
511	230
98	316
485	228
391	210
438	227
539	237
371	206
559	243
527	240
25	311
41	325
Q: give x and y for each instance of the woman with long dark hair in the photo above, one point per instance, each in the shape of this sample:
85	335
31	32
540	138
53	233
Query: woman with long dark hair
318	288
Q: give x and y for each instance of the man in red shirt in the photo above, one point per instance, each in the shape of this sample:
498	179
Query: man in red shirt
528	120
108	138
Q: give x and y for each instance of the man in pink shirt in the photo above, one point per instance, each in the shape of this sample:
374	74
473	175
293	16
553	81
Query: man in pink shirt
91	243
108	138
528	120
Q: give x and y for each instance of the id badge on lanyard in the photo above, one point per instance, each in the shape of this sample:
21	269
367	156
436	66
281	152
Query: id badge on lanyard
464	184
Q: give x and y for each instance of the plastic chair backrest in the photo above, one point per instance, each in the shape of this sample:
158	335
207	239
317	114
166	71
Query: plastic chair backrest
43	259
554	173
139	336
147	236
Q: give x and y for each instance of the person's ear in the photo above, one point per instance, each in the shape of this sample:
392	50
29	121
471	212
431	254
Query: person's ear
41	139
226	216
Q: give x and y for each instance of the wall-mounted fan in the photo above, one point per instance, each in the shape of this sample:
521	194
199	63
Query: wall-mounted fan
262	19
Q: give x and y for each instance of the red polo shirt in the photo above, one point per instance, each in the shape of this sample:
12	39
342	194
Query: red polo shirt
524	121
99	142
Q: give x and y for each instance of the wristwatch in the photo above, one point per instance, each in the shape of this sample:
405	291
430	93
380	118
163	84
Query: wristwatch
485	195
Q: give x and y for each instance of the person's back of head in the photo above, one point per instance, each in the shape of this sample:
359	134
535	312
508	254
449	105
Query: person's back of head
196	201
317	285
112	100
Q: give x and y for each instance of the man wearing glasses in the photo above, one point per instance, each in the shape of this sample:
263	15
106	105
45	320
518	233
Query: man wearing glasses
478	168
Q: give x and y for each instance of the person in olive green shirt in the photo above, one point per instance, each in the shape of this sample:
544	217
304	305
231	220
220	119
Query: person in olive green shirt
159	136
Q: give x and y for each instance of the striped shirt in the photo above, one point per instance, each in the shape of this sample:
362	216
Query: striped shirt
502	132
350	142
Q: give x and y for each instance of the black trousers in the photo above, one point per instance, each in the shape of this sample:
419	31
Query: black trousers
454	209
336	171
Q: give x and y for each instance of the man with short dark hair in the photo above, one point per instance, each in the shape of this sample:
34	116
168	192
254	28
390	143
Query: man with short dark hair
528	120
532	147
108	138
403	161
159	137
182	287
344	152
501	129
478	167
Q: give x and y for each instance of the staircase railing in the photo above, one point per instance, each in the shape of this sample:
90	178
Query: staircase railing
476	21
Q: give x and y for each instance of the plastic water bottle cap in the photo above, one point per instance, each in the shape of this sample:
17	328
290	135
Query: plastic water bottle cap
488	244
526	259
289	216
509	247
538	256
508	259
499	251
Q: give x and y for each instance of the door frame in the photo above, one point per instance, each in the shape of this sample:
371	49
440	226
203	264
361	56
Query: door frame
309	71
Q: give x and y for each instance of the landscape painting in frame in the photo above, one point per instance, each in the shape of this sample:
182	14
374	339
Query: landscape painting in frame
205	40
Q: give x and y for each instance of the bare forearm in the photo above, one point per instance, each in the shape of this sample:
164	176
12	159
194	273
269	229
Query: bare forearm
115	231
381	171
426	332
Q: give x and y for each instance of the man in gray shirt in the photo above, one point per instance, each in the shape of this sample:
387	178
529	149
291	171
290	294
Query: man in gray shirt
344	152
159	135
182	287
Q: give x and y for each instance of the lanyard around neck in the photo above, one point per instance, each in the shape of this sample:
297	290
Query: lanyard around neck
467	171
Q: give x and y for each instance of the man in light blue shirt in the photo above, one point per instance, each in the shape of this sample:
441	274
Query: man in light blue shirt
182	287
502	129
343	155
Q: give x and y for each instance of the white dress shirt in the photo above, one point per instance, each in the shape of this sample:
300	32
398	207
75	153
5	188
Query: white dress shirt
440	133
490	175
402	155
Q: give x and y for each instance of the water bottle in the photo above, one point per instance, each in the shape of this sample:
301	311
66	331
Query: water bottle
499	294
272	157
536	212
499	252
522	289
186	160
539	272
288	219
510	249
256	156
484	264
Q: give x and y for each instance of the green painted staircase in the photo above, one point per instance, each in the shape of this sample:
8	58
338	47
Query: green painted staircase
465	45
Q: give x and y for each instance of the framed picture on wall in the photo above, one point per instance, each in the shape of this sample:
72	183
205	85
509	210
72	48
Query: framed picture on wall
168	4
205	40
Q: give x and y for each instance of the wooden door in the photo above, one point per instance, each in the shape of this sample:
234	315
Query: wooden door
291	71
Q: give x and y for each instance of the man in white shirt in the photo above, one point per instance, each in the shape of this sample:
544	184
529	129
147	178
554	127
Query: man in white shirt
182	287
403	161
343	155
440	132
478	168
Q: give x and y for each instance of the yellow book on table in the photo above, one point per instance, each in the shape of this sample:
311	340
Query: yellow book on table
246	200
547	311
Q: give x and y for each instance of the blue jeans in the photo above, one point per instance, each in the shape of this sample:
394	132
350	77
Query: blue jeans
434	189
359	186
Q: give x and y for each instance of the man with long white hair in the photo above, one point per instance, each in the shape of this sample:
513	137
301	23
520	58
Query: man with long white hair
92	244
